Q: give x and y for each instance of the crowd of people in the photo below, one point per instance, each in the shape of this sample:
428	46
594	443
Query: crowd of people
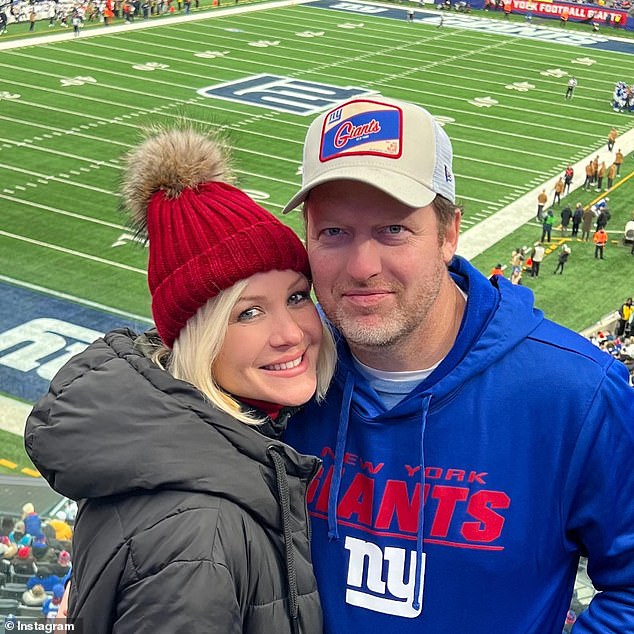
35	561
623	97
75	13
618	339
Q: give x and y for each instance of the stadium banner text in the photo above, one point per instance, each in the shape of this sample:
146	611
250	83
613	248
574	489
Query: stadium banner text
576	12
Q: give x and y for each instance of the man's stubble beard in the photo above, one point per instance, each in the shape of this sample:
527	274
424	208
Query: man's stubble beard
393	327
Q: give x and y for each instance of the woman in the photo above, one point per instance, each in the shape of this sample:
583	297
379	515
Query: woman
193	515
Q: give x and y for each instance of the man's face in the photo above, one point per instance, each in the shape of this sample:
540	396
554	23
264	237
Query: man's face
379	267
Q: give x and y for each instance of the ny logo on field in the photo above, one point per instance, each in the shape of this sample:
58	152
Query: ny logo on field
283	94
43	345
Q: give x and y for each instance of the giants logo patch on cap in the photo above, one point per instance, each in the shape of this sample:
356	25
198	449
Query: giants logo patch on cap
362	127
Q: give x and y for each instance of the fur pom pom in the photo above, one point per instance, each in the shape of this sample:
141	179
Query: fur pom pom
171	159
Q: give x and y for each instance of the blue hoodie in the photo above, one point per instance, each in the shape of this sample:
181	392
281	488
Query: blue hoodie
521	444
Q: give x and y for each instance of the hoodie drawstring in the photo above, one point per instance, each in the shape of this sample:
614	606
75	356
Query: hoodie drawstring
283	493
340	449
420	536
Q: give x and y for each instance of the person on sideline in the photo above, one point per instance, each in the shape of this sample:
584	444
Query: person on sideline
542	199
562	258
450	498
600	239
193	516
537	257
618	161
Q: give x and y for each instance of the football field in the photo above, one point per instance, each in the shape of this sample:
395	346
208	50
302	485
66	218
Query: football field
70	109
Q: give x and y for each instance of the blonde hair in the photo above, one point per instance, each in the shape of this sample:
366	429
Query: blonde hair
199	343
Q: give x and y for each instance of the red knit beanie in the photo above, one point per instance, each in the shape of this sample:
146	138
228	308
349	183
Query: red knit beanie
204	234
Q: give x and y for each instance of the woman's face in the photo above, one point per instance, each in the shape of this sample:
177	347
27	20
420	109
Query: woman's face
272	343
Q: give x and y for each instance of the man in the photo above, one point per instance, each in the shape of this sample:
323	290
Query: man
449	499
566	217
625	315
537	258
612	134
547	225
600	174
618	161
611	175
568	176
600	239
577	217
542	199
572	84
559	190
587	184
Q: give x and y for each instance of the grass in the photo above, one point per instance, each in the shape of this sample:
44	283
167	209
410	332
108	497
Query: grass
13	458
71	109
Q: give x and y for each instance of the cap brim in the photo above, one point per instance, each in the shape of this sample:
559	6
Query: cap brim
402	188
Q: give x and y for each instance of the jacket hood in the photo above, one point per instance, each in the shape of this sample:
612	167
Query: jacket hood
114	423
498	315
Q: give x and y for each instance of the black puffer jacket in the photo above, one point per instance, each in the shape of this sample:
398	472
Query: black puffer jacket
190	521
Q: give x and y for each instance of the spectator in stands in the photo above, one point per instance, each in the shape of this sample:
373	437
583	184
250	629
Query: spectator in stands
40	549
600	239
63	530
63	564
8	549
432	375
23	562
192	498
626	311
577	217
19	536
51	605
35	596
43	576
32	521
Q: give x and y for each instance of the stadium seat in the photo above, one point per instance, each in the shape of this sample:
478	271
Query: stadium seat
20	578
33	611
13	591
8	606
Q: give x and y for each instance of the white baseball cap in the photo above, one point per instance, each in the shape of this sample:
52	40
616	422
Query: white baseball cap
393	145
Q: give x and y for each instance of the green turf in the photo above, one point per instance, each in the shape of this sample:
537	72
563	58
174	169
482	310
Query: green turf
12	450
71	109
